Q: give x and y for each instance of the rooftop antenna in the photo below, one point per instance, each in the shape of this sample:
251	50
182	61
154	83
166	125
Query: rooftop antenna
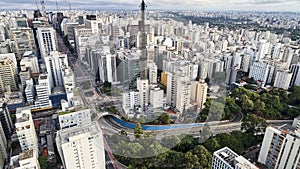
143	58
70	5
56	6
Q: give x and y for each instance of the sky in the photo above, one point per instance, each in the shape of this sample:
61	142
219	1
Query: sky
220	5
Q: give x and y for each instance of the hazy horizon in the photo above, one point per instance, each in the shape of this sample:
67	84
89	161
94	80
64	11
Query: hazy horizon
207	5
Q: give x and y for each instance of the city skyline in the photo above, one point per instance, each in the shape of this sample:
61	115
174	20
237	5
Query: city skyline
219	5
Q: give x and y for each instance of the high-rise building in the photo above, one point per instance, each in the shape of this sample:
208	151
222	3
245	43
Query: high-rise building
130	100
225	158
8	72
5	119
46	37
23	40
25	160
156	97
92	23
56	62
177	90
199	93
30	61
283	79
128	69
72	117
261	71
3	147
183	95
30	93
69	84
43	91
26	131
107	68
143	88
295	70
280	148
152	72
81	147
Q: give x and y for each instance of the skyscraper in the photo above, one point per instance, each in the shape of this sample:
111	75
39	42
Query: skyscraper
46	37
43	91
55	63
107	68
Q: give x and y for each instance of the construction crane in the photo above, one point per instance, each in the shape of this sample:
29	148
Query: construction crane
43	7
37	6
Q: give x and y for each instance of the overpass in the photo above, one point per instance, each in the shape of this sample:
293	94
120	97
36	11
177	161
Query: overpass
114	123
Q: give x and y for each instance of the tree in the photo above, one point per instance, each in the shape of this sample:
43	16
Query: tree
259	107
164	118
207	80
170	141
43	162
204	157
246	103
253	124
212	144
138	131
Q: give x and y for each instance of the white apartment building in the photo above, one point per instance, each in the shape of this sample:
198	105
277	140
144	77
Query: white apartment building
30	93
143	88
295	70
152	72
225	158
199	93
283	79
25	160
156	97
107	68
69	84
30	61
46	37
3	147
280	148
43	91
55	63
261	71
81	147
26	131
183	96
72	117
130	99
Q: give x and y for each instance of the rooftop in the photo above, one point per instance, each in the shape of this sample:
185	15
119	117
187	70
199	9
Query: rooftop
65	134
227	155
76	109
26	154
